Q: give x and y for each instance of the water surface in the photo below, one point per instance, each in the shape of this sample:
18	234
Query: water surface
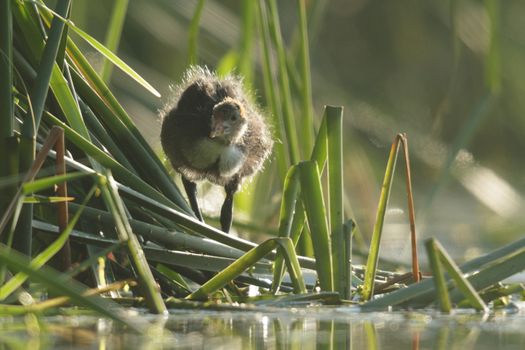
290	328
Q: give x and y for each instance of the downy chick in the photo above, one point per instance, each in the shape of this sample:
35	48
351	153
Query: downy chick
214	133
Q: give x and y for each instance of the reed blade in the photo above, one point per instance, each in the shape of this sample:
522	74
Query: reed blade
248	260
312	197
113	34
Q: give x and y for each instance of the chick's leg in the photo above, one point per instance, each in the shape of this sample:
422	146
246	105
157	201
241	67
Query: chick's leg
227	207
191	192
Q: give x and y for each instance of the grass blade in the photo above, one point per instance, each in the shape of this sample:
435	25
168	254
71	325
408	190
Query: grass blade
67	102
47	182
99	92
116	24
45	69
103	50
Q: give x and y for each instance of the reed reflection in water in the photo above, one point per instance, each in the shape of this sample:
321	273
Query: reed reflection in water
301	328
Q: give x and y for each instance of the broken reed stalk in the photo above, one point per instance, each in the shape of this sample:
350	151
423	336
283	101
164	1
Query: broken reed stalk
373	256
481	272
439	277
411	212
59	301
404	278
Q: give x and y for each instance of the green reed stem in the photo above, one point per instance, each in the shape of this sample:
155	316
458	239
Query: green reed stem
284	84
246	65
271	90
148	285
334	128
307	117
7	117
193	34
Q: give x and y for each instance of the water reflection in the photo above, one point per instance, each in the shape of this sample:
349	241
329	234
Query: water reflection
309	328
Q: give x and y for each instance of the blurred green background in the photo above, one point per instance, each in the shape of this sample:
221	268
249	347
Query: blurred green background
448	73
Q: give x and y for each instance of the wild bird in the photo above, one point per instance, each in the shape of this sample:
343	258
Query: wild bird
214	132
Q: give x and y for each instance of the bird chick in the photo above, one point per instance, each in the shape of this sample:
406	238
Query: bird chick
214	133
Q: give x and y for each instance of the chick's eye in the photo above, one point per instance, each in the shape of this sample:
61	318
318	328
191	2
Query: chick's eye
233	118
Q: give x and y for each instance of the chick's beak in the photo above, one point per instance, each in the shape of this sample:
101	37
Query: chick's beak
217	127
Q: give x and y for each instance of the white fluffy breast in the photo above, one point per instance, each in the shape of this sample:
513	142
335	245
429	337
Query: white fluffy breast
230	161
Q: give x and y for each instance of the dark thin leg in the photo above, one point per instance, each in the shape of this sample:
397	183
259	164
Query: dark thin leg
227	206
191	191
